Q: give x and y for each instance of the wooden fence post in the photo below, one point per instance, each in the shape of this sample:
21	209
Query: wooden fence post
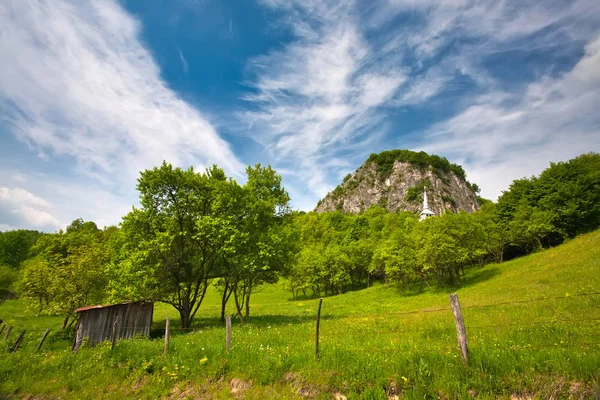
228	334
317	332
7	332
64	324
42	341
460	327
18	342
167	334
113	336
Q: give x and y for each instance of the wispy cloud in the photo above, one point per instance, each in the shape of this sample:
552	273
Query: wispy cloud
329	91
231	31
506	136
184	62
319	95
76	81
79	86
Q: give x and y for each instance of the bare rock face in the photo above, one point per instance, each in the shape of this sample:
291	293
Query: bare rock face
401	189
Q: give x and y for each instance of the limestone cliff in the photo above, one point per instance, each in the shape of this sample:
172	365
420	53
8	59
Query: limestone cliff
395	180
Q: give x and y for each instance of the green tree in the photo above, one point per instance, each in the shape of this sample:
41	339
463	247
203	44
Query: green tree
15	246
69	270
8	276
36	282
562	202
81	279
173	242
530	225
495	233
268	246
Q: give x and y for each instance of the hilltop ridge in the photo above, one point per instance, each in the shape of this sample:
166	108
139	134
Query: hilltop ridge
395	180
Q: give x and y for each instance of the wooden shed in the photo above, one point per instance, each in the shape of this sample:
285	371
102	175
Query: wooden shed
128	319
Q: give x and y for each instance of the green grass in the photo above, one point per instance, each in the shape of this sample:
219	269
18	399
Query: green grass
370	344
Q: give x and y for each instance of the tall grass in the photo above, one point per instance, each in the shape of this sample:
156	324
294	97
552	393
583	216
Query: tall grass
371	347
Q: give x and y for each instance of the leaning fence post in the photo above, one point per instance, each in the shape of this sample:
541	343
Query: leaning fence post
42	341
7	332
317	332
64	324
18	342
460	327
167	334
228	334
113	336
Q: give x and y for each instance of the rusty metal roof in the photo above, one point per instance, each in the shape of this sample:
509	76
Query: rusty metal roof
86	308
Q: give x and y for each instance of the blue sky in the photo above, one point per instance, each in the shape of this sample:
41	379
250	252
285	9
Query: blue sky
92	92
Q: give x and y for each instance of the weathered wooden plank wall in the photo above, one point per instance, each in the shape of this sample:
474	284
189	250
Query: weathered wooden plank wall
96	324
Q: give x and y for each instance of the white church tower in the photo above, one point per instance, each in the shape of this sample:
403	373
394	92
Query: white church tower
426	213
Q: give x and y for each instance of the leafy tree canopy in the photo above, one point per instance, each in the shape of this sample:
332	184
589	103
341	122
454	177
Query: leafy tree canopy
15	246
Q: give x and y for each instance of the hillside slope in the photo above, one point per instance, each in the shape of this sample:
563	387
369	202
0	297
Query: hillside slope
395	180
531	332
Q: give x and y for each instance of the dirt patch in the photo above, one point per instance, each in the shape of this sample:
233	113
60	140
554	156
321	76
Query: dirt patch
575	389
517	396
580	391
238	386
187	391
139	383
392	391
299	385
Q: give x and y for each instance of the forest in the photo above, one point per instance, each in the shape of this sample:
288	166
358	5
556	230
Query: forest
193	230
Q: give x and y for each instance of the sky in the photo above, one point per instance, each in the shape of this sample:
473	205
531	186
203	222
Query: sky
93	92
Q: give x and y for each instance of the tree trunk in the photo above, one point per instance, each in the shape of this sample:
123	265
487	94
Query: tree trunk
238	306
184	314
225	298
248	292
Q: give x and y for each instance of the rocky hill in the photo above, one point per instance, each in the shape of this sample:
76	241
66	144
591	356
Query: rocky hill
395	180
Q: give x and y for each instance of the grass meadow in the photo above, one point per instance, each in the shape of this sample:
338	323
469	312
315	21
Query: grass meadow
542	342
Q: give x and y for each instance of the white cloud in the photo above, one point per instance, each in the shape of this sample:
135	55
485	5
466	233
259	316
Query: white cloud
25	209
327	94
21	196
64	199
490	22
75	80
502	139
38	218
320	94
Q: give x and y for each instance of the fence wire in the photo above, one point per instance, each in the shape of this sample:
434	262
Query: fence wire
468	307
326	335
